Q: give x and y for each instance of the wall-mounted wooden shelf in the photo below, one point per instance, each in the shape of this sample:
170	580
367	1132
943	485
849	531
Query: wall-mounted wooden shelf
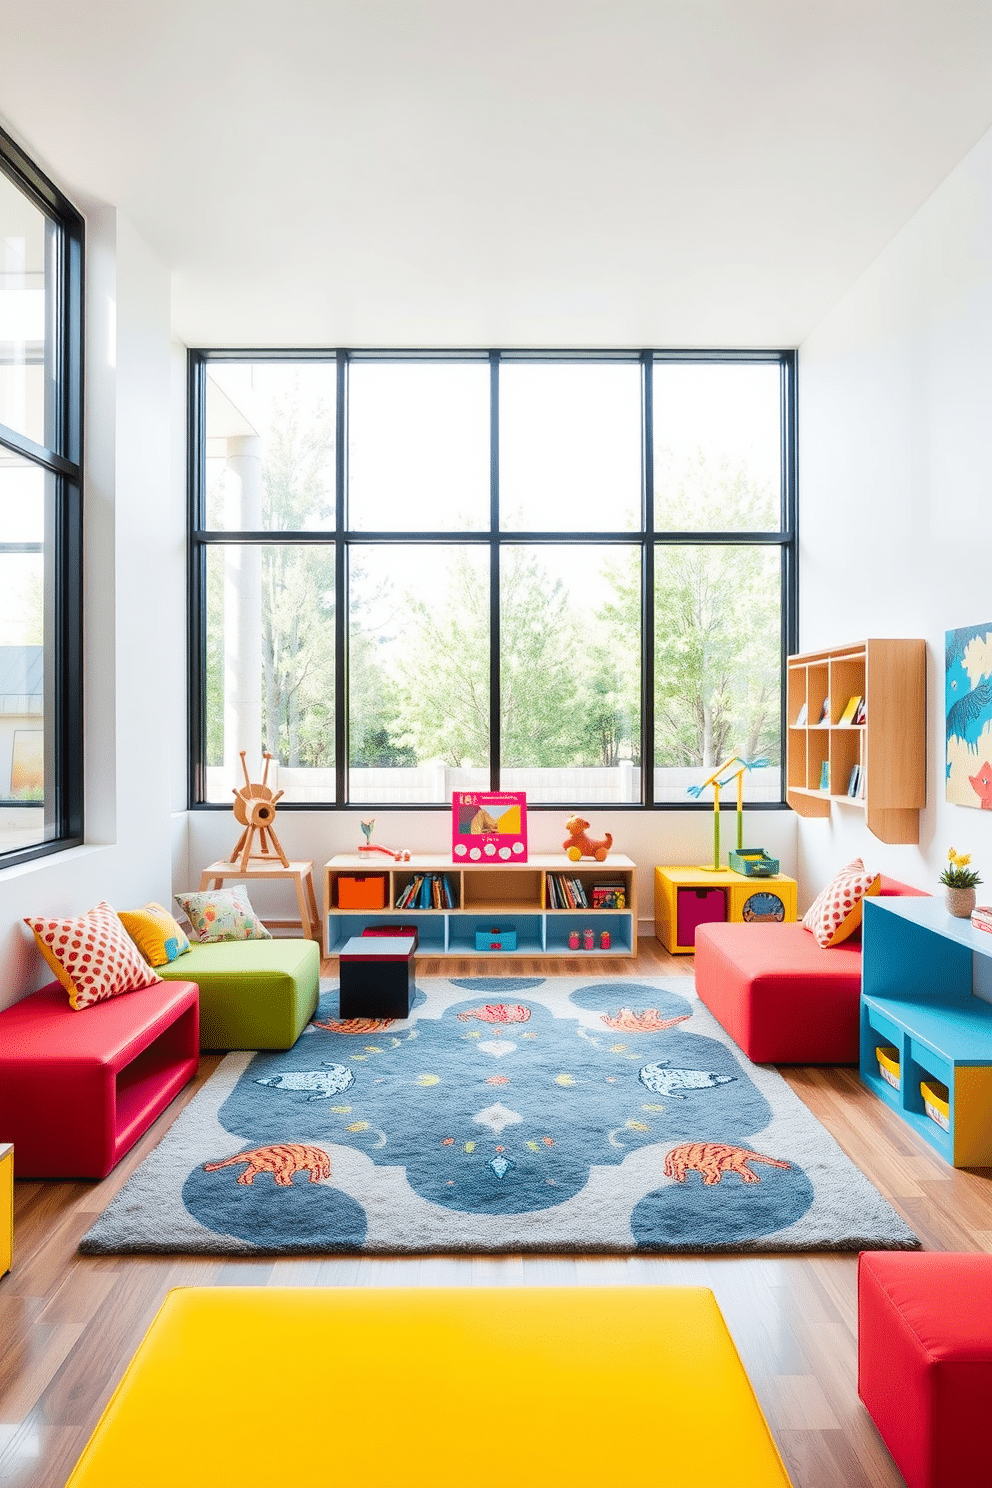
889	748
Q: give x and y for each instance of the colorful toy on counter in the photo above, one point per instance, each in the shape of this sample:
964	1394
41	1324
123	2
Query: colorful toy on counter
401	855
579	845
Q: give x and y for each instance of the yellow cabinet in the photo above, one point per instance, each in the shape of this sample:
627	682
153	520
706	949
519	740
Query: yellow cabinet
687	897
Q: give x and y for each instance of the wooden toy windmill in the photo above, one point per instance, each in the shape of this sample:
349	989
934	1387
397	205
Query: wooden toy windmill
255	809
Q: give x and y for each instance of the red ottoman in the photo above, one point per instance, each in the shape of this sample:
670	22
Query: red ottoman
782	998
77	1089
925	1362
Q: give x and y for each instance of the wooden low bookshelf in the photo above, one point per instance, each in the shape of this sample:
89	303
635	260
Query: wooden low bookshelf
485	896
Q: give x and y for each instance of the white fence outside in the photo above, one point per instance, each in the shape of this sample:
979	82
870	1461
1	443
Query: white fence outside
432	785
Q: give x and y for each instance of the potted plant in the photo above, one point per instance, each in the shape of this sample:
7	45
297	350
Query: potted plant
959	881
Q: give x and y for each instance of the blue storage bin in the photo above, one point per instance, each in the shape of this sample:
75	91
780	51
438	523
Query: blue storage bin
498	938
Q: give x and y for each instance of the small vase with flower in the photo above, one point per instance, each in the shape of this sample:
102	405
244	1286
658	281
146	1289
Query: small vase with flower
959	883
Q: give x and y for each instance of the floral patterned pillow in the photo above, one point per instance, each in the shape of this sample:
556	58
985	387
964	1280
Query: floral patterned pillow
222	914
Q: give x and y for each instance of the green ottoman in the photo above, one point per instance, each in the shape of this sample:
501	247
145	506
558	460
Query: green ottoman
254	994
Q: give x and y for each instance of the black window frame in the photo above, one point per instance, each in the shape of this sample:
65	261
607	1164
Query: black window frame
340	536
63	463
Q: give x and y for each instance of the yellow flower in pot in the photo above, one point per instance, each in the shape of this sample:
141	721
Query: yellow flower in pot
959	880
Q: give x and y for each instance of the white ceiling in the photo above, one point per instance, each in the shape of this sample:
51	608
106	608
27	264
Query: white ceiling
453	173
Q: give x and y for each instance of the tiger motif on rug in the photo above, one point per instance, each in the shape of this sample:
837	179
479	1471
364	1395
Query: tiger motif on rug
282	1161
713	1159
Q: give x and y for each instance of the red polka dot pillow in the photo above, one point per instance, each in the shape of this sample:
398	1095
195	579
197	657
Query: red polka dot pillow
93	956
835	913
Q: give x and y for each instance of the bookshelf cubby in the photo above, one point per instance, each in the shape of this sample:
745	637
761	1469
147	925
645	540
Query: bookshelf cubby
889	747
487	895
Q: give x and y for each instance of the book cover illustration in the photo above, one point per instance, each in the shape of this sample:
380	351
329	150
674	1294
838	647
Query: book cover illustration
489	825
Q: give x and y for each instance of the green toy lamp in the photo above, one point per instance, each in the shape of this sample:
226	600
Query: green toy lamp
717	784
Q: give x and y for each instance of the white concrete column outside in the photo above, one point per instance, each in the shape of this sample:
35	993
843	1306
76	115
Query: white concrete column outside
243	612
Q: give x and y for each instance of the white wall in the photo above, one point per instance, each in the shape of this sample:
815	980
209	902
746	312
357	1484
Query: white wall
895	390
134	618
648	838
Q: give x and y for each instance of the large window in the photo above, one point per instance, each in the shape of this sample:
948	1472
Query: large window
565	573
41	779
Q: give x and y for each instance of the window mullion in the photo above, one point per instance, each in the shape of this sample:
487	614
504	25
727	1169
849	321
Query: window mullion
647	583
495	733
342	604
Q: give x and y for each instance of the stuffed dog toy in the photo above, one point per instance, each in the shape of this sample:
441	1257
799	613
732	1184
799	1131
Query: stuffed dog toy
578	845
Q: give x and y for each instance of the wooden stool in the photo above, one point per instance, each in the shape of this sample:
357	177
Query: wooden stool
301	876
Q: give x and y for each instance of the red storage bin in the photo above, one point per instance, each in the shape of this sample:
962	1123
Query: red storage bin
362	891
697	907
394	930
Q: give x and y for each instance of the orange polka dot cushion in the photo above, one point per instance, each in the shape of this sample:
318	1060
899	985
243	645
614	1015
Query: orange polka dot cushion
93	956
835	913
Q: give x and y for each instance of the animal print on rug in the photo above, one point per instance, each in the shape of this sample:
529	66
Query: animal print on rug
550	1114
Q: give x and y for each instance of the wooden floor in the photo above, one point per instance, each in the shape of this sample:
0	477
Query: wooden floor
70	1323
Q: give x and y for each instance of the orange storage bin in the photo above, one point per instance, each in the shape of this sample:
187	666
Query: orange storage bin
362	891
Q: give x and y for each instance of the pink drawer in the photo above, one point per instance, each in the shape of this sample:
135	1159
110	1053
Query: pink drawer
698	907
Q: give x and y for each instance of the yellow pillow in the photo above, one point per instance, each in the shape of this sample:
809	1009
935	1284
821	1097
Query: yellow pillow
835	913
159	937
92	956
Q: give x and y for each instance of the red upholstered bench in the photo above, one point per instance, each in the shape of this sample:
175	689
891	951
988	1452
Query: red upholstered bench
925	1362
78	1088
782	998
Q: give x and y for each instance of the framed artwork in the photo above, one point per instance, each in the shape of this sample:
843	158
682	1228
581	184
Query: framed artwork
489	825
968	715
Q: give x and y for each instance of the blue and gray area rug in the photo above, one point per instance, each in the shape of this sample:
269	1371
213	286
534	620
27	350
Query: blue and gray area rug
551	1114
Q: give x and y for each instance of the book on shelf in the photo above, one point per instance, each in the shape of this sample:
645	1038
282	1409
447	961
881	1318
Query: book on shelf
861	712
408	896
566	891
854	780
802	715
609	899
825	775
825	711
609	895
850	710
427	891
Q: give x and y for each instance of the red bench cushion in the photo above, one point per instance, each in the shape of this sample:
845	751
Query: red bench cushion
782	998
925	1361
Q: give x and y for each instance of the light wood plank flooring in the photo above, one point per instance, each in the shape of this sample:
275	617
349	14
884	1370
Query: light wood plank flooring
69	1323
